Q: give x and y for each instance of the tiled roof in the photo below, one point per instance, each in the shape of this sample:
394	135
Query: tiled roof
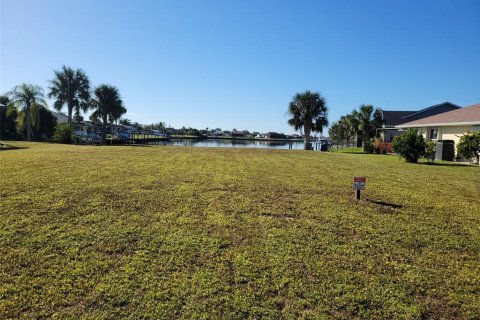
467	115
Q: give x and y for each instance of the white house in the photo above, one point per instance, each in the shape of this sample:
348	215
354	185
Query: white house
448	125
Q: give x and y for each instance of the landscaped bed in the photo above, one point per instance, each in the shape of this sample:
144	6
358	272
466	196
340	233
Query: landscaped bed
189	233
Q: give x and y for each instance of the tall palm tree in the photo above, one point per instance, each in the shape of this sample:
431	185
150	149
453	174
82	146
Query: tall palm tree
368	119
28	98
72	88
108	106
308	111
348	126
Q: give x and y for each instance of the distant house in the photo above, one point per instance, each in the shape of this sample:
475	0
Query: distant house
448	125
395	118
130	129
88	130
216	133
294	136
237	134
61	118
170	131
274	135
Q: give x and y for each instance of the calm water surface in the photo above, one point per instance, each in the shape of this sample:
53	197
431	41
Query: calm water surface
232	143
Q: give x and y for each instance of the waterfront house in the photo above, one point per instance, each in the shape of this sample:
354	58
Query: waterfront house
392	119
274	135
448	125
237	134
216	134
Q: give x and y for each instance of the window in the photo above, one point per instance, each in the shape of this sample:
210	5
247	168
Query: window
433	134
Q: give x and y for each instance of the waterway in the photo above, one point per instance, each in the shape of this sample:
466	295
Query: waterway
226	143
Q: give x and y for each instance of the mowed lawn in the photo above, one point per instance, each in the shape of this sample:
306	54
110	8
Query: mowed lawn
211	233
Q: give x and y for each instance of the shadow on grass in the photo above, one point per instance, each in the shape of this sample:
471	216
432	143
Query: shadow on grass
5	147
349	152
135	145
446	164
114	145
385	204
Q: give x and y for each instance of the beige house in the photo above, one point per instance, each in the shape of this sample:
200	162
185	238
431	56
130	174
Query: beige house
448	125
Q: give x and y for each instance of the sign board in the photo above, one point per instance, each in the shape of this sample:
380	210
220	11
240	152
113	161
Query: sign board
359	183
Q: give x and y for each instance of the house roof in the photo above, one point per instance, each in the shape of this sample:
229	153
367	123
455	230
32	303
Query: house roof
61	118
395	118
392	118
464	116
447	104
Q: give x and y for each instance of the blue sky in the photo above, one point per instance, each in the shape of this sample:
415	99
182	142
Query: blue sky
237	64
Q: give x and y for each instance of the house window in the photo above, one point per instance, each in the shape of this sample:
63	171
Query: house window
433	134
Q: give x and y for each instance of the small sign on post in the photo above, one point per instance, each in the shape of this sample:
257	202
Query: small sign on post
359	184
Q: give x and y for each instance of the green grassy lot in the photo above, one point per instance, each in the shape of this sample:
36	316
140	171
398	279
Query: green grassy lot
211	233
343	149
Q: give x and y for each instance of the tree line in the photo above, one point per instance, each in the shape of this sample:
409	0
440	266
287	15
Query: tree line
24	111
362	124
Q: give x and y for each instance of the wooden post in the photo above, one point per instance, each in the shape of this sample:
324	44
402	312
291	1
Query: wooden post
357	194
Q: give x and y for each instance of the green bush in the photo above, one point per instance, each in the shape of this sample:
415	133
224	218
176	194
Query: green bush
368	146
469	146
430	151
410	145
64	133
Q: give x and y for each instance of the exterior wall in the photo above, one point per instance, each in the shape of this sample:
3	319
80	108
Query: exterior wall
454	133
449	133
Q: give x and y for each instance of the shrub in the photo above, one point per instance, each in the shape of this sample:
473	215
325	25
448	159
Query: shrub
368	146
430	151
64	133
469	146
410	145
381	147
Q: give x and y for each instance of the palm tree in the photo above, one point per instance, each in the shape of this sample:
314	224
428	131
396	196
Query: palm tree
308	111
28	98
108	106
72	88
348	126
368	119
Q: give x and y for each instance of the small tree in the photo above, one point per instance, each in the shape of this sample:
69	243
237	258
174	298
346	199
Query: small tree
8	119
369	146
410	145
430	151
64	133
469	146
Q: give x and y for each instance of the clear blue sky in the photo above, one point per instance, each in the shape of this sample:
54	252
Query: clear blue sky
236	64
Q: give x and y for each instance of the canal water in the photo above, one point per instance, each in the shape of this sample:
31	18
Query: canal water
225	143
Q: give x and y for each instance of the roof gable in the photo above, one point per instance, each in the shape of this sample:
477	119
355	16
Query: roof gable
394	118
467	115
448	106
